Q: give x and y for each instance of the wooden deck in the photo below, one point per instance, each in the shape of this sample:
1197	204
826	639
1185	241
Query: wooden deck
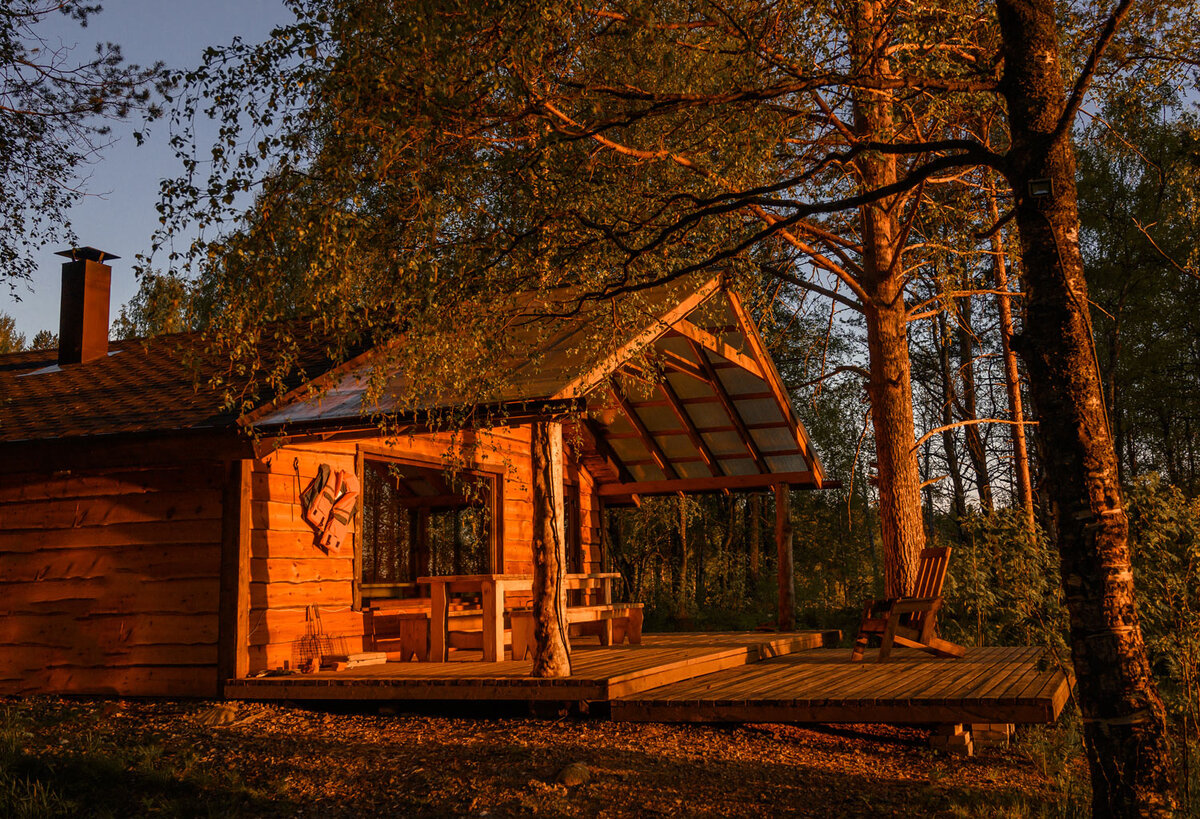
600	673
996	685
722	677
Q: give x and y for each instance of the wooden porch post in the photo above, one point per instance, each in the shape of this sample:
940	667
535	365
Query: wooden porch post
551	655
783	545
233	605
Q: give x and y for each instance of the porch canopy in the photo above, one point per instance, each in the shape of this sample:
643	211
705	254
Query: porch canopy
684	398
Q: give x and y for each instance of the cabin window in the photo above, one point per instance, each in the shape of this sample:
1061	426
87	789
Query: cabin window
418	522
571	520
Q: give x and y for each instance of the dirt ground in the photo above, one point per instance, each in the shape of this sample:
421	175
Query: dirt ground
123	758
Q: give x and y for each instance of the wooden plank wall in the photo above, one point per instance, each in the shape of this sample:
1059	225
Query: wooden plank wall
109	580
289	572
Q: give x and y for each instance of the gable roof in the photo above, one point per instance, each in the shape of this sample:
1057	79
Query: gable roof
714	414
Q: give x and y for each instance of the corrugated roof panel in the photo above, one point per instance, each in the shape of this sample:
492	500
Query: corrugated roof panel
740	382
693	469
676	446
775	439
740	466
724	443
659	419
708	415
786	463
759	411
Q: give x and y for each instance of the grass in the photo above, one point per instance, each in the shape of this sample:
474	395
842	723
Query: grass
92	776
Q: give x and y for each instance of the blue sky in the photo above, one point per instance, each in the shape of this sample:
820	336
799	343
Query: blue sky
118	216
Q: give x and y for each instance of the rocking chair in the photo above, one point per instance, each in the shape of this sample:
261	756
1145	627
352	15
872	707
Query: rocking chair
910	621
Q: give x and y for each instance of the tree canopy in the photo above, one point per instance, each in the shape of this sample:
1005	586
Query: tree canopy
55	110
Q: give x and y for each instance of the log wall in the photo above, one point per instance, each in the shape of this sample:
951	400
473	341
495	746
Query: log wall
109	581
289	573
109	578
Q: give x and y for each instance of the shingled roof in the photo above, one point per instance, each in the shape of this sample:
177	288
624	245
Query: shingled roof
165	384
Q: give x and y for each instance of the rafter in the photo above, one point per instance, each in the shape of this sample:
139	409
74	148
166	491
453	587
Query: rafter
795	480
775	382
689	427
676	362
708	341
658	326
730	408
644	433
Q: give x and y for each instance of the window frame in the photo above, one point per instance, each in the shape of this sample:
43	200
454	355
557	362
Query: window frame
493	474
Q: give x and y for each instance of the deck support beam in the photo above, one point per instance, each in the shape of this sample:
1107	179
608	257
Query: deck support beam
783	546
552	652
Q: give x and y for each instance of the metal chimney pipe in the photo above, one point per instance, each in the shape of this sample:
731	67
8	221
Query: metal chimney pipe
83	317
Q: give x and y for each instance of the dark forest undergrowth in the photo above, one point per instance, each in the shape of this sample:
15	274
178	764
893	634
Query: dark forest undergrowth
126	758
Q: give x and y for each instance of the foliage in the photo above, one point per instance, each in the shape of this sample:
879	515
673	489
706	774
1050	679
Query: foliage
164	303
10	340
55	110
44	340
1165	531
1139	181
1003	586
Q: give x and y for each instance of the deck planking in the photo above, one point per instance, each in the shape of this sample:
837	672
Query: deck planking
991	684
599	673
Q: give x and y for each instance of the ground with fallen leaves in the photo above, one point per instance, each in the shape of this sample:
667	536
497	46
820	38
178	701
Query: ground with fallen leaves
122	758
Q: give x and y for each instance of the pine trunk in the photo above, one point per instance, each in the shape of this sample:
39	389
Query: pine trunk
1012	375
755	513
783	546
966	368
551	656
1124	721
942	342
886	314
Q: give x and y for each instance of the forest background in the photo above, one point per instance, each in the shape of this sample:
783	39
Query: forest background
707	562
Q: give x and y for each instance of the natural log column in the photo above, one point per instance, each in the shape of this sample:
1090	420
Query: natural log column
783	544
1124	723
551	655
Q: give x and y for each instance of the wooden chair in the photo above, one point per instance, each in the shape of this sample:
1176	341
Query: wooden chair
910	621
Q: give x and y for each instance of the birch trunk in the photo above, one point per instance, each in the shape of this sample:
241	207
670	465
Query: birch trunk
1124	721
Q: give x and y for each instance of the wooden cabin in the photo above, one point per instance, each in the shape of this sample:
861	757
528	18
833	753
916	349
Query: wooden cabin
154	543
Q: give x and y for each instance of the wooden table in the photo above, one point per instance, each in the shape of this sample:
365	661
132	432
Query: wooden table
594	580
492	588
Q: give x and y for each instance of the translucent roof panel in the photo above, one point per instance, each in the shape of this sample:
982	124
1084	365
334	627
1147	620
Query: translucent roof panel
786	463
722	443
646	472
687	387
759	411
676	446
693	469
708	414
628	449
740	382
739	466
659	419
775	439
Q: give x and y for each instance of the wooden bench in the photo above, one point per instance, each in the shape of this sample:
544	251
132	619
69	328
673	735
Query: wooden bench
614	623
403	631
